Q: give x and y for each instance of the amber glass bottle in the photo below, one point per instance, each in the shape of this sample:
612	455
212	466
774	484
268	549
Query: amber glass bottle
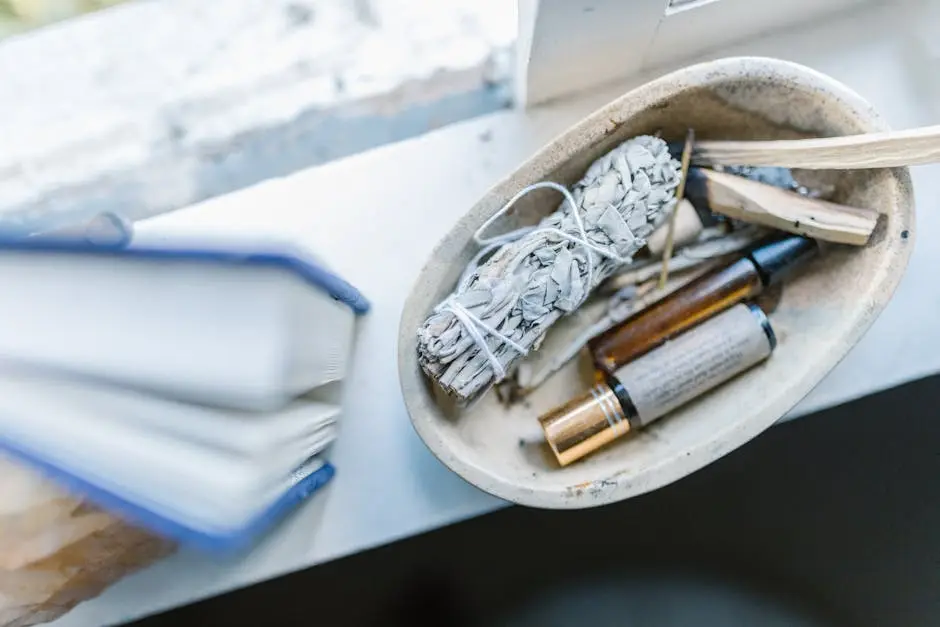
698	301
664	379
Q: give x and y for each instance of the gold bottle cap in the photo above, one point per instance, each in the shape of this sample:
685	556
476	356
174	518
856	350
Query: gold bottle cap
584	424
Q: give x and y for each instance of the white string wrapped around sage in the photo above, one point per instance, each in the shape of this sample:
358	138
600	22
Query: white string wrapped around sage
503	305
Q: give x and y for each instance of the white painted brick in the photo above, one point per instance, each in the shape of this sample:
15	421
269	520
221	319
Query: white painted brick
138	97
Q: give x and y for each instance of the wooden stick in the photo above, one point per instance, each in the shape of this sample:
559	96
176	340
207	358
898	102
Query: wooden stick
680	193
871	150
750	201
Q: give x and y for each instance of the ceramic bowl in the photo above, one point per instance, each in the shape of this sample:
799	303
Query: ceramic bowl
822	312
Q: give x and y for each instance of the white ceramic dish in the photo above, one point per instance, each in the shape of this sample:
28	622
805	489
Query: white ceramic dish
822	312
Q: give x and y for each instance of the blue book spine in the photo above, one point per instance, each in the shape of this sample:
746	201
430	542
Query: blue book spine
211	542
316	275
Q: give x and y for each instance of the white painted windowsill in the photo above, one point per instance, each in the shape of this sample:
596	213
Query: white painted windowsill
401	198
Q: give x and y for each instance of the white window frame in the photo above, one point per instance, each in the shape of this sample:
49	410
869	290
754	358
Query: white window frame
567	46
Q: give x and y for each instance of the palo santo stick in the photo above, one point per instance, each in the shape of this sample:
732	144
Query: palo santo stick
869	150
750	201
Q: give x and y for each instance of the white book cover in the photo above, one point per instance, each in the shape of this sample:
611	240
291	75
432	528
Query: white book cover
211	476
242	323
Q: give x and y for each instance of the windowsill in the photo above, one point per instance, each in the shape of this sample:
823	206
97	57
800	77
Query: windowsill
427	184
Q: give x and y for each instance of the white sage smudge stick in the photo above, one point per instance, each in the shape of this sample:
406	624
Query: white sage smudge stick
503	307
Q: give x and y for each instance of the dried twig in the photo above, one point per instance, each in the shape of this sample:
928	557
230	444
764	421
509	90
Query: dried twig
680	191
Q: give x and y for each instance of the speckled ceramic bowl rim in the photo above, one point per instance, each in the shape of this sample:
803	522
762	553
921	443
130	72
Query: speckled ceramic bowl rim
421	404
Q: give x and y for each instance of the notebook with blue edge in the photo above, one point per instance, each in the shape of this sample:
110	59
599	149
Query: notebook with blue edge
315	274
227	542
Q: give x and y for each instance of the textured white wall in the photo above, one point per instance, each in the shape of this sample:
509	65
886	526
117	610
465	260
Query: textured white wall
155	104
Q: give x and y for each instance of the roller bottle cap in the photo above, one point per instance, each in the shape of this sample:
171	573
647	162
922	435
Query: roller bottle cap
585	423
776	259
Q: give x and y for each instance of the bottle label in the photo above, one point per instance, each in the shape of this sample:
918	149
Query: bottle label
695	362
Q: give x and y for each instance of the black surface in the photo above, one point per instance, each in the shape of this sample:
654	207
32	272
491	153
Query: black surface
839	510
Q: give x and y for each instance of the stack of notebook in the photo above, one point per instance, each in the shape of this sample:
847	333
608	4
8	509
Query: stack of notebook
174	383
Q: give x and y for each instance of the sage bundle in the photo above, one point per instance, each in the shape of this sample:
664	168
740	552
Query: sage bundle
524	281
